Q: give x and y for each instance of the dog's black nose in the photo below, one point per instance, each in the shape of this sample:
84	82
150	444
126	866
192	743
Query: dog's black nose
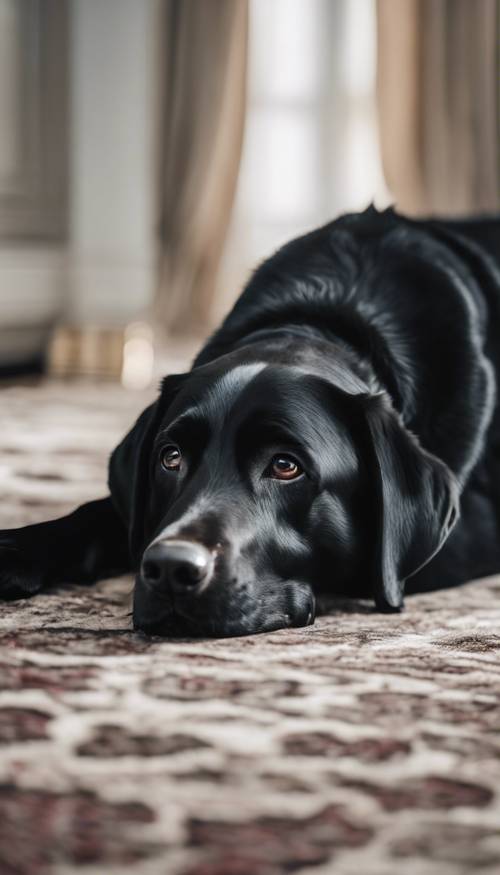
184	566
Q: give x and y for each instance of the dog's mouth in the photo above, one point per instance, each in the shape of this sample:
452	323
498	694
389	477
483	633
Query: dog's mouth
166	617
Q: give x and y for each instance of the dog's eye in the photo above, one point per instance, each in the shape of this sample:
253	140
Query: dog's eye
170	458
284	467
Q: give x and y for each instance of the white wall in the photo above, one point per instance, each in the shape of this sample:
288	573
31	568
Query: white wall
112	268
32	256
94	263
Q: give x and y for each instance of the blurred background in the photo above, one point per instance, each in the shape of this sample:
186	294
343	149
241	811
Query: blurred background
153	151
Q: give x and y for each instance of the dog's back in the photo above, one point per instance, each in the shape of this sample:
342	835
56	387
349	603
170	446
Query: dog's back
419	300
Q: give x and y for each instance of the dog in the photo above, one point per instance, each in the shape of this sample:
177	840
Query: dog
339	434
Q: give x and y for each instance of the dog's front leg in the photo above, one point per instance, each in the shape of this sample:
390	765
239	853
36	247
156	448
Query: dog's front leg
86	545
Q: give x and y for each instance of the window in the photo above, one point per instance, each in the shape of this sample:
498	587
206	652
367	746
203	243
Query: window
310	149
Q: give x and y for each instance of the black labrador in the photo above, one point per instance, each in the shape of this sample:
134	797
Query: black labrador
338	434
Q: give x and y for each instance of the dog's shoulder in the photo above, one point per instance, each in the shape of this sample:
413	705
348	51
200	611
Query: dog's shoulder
305	280
412	296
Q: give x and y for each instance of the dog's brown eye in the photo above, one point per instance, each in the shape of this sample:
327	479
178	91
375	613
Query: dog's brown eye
171	458
285	468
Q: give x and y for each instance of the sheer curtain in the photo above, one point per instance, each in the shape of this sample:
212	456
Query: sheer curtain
439	104
204	101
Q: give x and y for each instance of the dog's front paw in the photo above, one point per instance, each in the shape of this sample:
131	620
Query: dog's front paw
21	575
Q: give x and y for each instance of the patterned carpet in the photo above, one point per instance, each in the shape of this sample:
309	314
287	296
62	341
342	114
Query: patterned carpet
364	745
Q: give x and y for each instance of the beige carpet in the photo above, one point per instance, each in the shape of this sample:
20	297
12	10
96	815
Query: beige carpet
364	745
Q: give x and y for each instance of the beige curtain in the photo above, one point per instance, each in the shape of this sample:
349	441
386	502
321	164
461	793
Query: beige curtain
438	85
204	111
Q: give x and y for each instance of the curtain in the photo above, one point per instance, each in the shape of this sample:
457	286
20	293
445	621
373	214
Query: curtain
203	121
438	92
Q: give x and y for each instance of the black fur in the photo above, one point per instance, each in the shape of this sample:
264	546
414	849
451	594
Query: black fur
369	350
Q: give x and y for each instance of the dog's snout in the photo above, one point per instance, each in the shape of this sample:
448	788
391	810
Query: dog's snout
183	566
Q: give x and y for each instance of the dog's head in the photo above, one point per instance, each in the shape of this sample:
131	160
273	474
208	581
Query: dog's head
252	484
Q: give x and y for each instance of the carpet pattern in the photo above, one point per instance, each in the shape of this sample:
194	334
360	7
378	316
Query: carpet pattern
363	744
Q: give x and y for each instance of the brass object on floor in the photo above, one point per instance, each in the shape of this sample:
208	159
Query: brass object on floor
117	354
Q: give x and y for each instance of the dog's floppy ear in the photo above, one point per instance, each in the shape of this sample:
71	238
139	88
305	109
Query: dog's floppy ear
129	466
417	502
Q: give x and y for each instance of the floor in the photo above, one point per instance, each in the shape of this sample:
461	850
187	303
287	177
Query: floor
364	744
